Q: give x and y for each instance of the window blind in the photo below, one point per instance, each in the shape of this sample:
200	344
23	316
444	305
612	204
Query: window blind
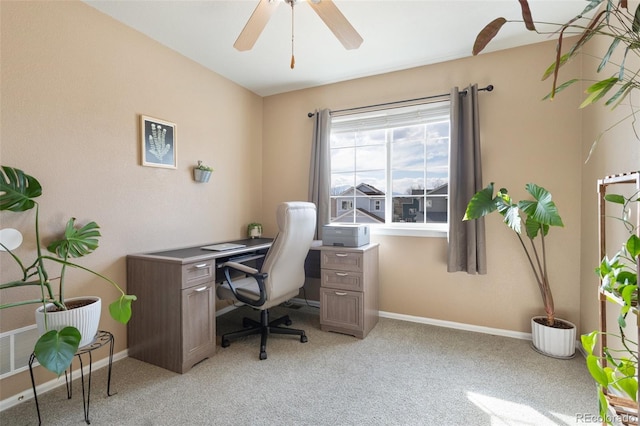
410	115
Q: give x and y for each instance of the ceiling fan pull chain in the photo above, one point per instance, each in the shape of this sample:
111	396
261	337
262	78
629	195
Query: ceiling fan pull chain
293	59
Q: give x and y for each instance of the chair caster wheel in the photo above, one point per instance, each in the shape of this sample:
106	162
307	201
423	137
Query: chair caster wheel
303	339
263	355
225	343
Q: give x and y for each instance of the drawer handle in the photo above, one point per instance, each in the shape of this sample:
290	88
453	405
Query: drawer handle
342	254
201	265
201	289
340	293
342	274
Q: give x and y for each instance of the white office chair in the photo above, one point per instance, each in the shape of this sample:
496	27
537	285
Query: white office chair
279	279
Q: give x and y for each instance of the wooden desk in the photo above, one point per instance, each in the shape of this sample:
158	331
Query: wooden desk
173	323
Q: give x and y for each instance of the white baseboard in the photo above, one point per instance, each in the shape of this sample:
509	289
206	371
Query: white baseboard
430	321
458	325
439	323
450	324
60	381
26	395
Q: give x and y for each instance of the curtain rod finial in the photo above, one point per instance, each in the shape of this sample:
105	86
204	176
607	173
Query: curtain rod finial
310	114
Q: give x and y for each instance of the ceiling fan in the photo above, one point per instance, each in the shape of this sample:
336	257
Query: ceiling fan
326	9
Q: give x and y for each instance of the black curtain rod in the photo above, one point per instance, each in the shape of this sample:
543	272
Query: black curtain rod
489	88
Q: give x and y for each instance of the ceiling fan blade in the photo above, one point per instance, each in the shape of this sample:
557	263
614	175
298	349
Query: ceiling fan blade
256	24
337	23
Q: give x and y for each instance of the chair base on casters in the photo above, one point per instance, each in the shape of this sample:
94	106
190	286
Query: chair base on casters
264	328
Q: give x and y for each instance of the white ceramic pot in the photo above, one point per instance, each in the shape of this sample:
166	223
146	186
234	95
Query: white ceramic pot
85	318
553	342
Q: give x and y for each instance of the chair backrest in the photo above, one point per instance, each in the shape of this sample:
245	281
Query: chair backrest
284	262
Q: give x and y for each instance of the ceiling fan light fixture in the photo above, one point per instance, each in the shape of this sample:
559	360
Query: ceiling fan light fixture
325	9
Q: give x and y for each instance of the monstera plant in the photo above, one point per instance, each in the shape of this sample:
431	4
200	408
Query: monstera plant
530	220
540	213
55	348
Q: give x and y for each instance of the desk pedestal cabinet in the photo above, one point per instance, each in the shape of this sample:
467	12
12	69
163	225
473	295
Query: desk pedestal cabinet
349	289
173	323
174	326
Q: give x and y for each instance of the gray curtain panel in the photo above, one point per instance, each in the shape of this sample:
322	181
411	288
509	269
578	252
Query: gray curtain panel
320	170
467	244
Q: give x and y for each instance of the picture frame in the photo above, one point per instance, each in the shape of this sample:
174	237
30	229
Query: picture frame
158	143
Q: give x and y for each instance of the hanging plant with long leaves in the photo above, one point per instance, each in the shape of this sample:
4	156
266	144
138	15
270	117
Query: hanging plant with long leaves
611	19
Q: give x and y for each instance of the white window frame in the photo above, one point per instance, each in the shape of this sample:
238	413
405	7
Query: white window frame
429	112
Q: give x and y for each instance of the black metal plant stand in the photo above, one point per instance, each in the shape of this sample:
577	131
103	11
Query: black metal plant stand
102	338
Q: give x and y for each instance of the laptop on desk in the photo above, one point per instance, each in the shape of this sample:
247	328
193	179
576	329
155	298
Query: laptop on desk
223	246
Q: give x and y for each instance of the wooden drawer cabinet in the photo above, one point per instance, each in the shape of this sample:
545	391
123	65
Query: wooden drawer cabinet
173	322
349	289
198	273
341	260
341	279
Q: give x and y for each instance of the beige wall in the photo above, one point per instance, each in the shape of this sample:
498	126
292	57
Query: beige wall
524	140
617	152
74	82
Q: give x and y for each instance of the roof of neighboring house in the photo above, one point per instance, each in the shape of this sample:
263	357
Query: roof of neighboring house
442	189
369	189
364	188
359	212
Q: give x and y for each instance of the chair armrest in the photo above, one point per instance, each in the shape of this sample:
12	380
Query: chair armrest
241	267
254	273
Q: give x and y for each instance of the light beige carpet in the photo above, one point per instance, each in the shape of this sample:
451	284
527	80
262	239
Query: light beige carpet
401	374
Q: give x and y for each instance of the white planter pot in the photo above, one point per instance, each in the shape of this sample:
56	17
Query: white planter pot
554	342
86	319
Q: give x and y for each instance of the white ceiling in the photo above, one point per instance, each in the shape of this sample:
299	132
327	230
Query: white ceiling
398	34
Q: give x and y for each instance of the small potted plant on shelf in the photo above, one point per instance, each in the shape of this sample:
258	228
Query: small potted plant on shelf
59	339
619	274
202	172
254	230
551	336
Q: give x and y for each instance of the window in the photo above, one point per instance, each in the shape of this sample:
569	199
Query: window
391	167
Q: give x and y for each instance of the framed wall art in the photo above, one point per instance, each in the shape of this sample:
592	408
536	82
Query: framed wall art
158	141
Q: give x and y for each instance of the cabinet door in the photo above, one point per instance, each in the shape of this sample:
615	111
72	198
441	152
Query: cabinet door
198	324
343	309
